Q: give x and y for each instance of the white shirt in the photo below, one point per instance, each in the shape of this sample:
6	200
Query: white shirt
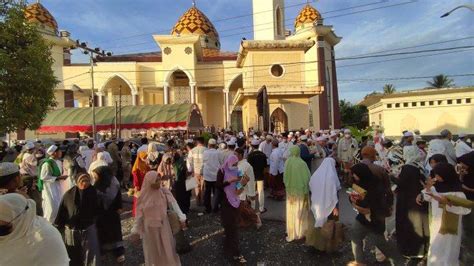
462	148
266	148
196	159
107	157
87	156
247	170
211	164
275	158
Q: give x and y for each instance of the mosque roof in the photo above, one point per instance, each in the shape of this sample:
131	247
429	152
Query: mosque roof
308	14
208	55
194	21
37	13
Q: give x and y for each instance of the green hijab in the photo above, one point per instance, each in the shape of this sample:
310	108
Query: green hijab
297	175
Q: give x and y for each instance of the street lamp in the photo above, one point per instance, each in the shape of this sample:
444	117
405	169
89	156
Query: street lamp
470	7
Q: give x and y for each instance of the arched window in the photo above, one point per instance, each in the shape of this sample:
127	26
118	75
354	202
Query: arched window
278	22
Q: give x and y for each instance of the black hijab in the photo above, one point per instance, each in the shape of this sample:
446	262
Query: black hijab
368	180
451	181
468	159
105	178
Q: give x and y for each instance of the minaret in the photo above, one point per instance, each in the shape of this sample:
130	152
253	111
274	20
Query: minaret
269	19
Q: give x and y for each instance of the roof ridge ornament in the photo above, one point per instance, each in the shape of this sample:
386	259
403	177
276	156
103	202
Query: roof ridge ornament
194	3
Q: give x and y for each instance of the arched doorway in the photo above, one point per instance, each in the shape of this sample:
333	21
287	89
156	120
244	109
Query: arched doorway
117	89
237	123
235	112
279	121
180	91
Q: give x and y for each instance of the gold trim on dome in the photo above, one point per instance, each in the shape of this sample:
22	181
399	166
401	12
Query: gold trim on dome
194	21
308	14
37	13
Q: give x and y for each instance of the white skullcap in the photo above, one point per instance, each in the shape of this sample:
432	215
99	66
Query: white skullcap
347	131
255	142
298	133
29	145
269	137
303	138
231	143
51	149
212	142
233	139
291	134
408	134
101	146
222	146
321	139
8	169
241	134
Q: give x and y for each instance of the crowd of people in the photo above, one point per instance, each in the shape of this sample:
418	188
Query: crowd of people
68	196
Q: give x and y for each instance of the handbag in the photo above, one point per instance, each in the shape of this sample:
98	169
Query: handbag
191	183
333	234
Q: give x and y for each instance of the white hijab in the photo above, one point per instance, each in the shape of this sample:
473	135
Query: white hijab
100	161
32	239
324	185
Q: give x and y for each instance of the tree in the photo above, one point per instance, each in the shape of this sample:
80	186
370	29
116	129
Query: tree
441	81
353	115
27	80
389	89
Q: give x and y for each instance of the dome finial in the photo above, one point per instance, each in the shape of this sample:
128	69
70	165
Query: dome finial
194	2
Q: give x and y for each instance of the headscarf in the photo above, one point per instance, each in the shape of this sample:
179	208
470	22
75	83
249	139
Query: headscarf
451	181
164	169
368	180
369	153
229	172
100	161
31	234
152	151
152	203
140	163
296	176
324	185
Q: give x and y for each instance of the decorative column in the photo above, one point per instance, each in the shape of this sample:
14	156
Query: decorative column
227	111
100	97
193	91
166	87
134	99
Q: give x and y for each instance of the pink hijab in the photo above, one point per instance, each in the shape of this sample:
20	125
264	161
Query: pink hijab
229	172
152	203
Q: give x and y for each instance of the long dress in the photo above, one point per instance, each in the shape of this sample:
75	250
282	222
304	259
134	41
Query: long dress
296	178
76	219
444	248
411	219
108	222
153	225
139	170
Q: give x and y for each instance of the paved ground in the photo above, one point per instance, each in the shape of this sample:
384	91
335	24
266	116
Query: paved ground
266	246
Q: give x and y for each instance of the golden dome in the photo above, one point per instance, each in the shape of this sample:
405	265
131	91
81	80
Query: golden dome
194	21
308	14
37	13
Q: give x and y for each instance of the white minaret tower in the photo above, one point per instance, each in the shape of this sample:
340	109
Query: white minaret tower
269	19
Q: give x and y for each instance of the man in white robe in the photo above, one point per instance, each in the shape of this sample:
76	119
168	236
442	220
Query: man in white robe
461	146
51	179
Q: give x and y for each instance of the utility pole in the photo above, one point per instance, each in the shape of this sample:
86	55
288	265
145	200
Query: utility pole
97	51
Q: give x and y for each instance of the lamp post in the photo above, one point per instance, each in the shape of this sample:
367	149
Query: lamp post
470	7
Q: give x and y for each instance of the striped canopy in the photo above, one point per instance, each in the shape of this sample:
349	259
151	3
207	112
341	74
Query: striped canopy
158	117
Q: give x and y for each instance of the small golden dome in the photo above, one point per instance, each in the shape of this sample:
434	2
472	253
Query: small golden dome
194	21
308	14
37	13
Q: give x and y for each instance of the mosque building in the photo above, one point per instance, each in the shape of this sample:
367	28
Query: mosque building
297	67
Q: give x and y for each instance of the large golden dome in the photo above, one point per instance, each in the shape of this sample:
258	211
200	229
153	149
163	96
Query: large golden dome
308	14
194	21
37	13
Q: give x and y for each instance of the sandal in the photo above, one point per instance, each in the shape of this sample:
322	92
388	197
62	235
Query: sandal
240	259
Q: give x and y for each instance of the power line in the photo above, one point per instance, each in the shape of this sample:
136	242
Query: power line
286	20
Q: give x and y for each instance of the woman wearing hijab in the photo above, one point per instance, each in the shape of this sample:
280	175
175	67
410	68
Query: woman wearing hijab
110	204
100	160
233	186
466	164
166	171
27	239
324	185
140	168
152	224
368	200
296	179
411	218
179	187
153	156
445	226
76	219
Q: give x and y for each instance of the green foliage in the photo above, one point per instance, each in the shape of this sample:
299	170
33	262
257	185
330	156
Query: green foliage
27	80
441	81
353	115
207	136
359	133
389	89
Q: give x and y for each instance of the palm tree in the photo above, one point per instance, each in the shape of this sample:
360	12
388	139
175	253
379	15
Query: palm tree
389	89
441	81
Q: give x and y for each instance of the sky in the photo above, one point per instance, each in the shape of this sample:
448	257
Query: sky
126	26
